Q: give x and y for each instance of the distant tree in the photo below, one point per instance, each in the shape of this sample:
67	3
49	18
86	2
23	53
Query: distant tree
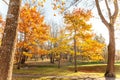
7	48
99	38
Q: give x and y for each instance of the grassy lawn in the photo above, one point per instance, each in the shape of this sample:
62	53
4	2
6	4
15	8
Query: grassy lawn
41	71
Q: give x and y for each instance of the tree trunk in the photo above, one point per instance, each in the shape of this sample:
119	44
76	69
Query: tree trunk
52	58
75	55
110	70
23	59
7	49
70	58
59	61
19	60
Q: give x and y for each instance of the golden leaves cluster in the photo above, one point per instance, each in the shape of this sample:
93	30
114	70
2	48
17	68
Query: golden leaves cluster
79	28
32	25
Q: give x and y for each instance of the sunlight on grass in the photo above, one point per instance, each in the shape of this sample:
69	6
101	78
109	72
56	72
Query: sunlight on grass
24	78
82	74
46	71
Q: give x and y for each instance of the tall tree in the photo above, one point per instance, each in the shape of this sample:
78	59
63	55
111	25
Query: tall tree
77	27
34	30
8	41
110	70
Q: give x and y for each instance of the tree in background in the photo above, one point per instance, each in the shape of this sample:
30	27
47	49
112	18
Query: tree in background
62	46
34	31
7	49
110	70
80	32
101	39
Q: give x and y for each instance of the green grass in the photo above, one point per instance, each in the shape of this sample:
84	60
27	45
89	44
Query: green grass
41	70
24	78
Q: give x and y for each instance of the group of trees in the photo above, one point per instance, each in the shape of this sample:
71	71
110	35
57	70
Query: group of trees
31	26
76	39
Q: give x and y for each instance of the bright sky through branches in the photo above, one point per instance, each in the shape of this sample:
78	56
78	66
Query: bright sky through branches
98	27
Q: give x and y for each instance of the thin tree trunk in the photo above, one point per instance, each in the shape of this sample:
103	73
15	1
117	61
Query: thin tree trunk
110	70
59	61
51	58
70	59
23	59
75	55
7	49
19	61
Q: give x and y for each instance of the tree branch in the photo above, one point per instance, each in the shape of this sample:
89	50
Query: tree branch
5	2
109	12
75	3
101	15
114	16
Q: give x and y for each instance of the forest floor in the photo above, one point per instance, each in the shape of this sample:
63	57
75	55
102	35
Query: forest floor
44	70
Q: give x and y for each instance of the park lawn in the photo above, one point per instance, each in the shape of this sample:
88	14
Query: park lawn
42	70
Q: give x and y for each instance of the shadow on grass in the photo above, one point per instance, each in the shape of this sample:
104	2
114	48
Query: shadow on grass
40	71
94	68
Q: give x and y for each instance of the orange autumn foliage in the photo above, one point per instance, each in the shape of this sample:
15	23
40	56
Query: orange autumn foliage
32	25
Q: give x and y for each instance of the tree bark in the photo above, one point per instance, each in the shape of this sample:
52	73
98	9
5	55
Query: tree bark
7	49
110	70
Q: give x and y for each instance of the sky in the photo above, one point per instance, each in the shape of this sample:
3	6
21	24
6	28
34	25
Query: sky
3	8
98	26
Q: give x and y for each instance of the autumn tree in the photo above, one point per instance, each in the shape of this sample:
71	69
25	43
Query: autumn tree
78	28
34	30
110	70
101	39
92	50
62	47
7	49
80	32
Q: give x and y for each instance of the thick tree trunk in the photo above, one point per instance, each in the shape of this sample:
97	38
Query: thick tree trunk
110	70
8	41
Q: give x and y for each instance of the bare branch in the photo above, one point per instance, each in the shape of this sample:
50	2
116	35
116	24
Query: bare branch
5	2
101	15
109	11
73	4
114	16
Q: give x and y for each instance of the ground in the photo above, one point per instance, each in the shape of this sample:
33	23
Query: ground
43	70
